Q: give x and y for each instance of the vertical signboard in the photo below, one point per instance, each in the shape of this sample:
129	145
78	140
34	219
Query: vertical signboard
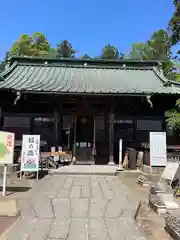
158	153
30	153
6	147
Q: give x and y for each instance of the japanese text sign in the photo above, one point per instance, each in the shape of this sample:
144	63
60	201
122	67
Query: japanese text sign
158	153
30	153
6	147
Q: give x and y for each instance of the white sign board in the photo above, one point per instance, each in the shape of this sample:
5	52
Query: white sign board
6	147
30	153
158	153
170	171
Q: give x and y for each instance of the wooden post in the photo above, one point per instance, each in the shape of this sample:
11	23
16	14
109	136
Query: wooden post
111	138
74	142
94	139
56	130
4	180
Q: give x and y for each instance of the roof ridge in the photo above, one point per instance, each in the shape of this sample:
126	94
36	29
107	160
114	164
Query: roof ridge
8	70
59	59
160	75
65	65
164	79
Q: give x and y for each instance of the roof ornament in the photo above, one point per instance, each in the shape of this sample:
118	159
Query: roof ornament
18	96
148	98
160	68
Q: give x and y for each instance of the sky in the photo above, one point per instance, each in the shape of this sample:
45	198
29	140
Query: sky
88	25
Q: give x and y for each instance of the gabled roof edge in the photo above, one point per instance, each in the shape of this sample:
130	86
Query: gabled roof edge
8	70
160	75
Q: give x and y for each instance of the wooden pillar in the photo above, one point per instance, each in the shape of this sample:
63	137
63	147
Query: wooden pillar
111	138
56	128
74	135
60	127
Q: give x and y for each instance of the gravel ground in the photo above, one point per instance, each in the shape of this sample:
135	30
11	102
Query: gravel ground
150	222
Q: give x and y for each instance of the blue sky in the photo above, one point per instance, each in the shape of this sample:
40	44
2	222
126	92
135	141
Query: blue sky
88	25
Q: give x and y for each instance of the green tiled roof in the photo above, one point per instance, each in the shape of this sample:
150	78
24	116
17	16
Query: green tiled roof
85	78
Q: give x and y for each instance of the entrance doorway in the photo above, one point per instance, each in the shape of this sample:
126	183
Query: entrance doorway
84	139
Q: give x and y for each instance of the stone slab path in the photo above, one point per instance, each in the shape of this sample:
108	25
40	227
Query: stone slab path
77	208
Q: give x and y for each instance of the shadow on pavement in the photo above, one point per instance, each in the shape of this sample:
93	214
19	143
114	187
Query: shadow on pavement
16	189
33	175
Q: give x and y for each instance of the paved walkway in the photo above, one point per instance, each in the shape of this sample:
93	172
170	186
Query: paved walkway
77	208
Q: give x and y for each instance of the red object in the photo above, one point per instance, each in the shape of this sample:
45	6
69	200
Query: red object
9	140
147	158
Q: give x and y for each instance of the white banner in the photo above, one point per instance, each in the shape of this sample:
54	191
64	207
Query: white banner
6	147
30	153
158	152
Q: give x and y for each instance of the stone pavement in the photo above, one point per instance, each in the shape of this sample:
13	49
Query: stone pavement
77	207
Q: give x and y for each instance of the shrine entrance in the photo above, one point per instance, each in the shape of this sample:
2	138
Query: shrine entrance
84	140
84	134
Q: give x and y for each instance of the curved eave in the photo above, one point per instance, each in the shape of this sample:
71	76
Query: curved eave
8	70
29	92
91	80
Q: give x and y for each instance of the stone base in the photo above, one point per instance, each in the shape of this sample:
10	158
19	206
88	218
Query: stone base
172	233
111	163
157	208
84	170
152	170
8	208
128	173
156	190
143	181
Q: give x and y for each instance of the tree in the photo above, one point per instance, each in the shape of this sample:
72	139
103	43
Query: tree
109	52
52	53
174	24
4	62
139	51
65	50
173	117
85	56
39	45
159	46
35	45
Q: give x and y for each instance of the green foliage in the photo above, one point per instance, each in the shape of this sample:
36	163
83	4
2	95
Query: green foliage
157	48
35	45
174	24
139	51
52	53
110	52
173	117
65	50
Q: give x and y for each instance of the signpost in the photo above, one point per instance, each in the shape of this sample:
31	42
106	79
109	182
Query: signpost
158	153
120	168
30	153
6	153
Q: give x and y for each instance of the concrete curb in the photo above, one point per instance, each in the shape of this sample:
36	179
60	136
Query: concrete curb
83	173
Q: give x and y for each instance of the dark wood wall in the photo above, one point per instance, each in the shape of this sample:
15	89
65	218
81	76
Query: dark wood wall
133	117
